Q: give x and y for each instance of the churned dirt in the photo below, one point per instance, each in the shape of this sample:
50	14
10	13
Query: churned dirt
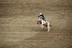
19	28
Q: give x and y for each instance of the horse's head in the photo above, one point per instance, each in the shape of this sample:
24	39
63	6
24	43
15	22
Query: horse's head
39	22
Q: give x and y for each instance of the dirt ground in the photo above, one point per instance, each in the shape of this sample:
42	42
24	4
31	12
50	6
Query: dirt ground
18	28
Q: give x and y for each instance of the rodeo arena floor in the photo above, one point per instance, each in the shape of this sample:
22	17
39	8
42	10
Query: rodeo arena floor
19	28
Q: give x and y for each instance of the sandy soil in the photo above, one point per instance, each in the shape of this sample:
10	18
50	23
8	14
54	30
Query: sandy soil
18	28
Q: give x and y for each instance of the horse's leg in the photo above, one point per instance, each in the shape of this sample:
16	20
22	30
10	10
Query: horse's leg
48	26
41	25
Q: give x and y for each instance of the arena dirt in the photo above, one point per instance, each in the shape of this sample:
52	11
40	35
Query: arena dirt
19	28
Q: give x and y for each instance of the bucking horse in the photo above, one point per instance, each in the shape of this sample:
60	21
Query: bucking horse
42	22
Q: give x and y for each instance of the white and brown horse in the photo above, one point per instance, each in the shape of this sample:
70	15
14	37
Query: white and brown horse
43	24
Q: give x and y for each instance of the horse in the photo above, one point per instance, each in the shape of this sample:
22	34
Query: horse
43	24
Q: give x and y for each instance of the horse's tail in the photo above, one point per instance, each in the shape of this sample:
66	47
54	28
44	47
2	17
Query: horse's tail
48	26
